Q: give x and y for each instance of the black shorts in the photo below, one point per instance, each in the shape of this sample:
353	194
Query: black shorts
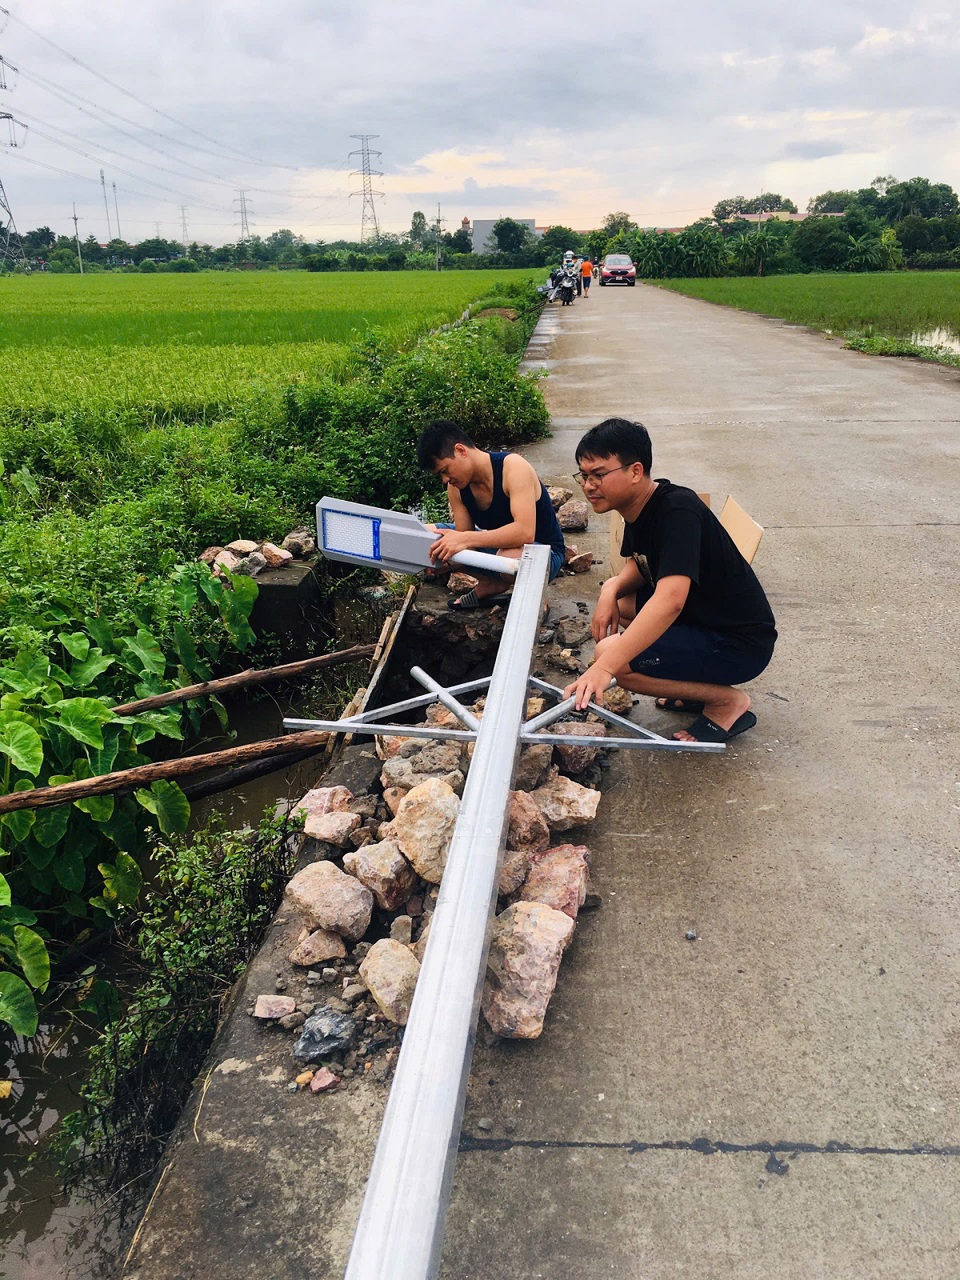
693	655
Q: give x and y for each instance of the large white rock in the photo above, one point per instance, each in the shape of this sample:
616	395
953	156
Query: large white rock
385	872
327	898
323	800
526	947
424	824
318	946
565	803
332	828
390	971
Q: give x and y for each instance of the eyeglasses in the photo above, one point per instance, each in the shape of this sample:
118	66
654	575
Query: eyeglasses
583	478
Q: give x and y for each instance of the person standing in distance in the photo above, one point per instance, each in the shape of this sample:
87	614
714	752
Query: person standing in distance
686	619
498	505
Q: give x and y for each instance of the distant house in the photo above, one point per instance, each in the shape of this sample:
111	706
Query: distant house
483	232
778	215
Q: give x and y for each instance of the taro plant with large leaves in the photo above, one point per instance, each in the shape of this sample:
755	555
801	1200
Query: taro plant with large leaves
75	865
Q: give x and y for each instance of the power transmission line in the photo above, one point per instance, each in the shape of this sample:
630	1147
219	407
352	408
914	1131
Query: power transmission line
140	102
369	230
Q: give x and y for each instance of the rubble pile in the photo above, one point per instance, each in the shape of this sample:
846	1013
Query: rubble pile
249	558
371	866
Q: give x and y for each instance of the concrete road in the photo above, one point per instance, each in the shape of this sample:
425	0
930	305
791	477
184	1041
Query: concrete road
780	1096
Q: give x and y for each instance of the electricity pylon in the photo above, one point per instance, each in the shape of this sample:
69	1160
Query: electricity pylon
369	230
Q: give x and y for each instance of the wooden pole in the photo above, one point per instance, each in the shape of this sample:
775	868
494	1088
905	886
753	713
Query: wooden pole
243	679
143	775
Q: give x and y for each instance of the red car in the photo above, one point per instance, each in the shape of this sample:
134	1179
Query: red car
617	268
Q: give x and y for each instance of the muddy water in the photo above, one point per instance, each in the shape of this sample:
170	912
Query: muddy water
945	338
44	1234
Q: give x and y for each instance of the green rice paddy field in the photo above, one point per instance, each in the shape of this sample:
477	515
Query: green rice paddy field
905	309
186	344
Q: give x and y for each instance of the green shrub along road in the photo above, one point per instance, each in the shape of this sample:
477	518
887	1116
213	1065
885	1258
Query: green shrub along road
888	314
107	500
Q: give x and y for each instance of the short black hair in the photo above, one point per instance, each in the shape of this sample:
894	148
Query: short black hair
630	441
437	441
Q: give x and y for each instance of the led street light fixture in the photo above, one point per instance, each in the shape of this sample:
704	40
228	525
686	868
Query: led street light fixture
358	534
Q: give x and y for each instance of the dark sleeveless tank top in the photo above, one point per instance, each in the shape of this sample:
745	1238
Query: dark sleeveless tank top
498	513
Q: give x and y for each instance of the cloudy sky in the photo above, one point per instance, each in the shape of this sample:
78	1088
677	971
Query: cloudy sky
557	111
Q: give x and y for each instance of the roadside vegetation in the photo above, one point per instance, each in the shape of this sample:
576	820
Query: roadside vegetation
906	314
107	500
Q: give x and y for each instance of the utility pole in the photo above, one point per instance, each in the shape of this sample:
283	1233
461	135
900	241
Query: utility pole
439	227
369	230
116	208
76	235
183	229
106	207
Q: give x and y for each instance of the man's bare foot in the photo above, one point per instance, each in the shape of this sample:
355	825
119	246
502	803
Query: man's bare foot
724	712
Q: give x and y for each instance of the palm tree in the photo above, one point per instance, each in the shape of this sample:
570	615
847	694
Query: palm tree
648	256
866	253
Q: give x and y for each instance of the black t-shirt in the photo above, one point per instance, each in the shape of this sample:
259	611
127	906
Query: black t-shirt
679	534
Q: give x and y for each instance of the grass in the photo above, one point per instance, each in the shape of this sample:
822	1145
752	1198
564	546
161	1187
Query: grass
888	313
181	345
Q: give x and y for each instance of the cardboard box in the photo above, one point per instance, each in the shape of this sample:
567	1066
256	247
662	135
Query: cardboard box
742	528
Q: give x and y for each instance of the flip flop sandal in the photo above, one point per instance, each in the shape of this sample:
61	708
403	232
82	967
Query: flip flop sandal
470	600
677	704
704	730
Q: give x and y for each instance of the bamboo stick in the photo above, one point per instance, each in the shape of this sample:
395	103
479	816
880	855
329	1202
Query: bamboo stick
127	779
244	679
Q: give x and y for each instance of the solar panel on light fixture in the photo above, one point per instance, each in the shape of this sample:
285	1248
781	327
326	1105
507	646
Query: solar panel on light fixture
358	534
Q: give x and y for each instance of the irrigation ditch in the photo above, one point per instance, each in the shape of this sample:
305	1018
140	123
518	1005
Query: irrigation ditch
65	1216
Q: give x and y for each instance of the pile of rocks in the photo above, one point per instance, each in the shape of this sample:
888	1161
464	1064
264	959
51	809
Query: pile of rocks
244	556
366	895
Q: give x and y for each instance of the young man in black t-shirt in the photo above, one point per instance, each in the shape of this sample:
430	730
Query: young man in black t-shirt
695	620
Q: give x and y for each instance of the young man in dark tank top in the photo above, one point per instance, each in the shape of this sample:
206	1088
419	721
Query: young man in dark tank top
686	619
497	503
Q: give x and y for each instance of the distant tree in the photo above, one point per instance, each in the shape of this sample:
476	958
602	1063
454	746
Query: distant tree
509	235
729	208
321	262
765	202
832	202
883	183
418	229
36	243
616	222
459	242
865	253
92	252
357	262
62	260
821	243
595	243
918	196
557	240
702	253
648	255
772	202
156	248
